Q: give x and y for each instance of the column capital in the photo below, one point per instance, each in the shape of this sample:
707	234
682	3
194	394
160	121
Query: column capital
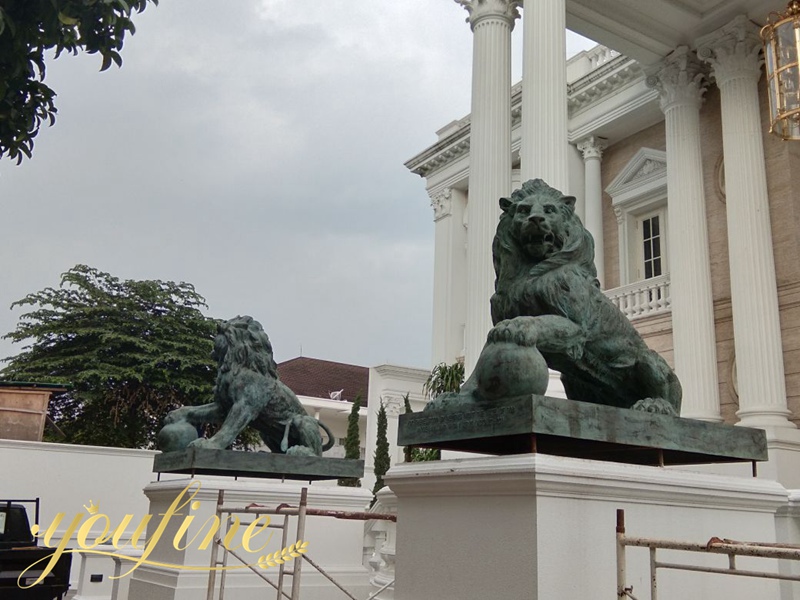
442	203
733	50
592	147
505	10
680	80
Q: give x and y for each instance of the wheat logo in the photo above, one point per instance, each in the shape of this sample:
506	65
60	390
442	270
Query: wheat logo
278	558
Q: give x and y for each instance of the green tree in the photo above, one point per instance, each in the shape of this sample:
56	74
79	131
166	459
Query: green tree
382	460
444	378
408	451
132	351
412	454
352	442
30	28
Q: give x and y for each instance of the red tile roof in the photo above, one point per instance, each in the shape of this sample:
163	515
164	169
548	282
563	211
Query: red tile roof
318	378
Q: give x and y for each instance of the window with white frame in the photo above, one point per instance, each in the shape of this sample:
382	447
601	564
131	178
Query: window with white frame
651	244
639	199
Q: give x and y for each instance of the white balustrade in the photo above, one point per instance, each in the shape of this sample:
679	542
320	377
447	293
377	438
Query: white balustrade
642	298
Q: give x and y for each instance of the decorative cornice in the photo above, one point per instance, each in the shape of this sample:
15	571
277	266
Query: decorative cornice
442	204
557	477
442	153
592	147
400	372
480	10
50	447
680	80
584	93
606	79
733	50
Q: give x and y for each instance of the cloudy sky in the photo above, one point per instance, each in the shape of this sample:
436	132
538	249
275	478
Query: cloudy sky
255	149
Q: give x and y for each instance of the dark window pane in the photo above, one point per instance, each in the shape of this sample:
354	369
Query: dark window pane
646	228
657	247
655	225
648	252
657	267
648	270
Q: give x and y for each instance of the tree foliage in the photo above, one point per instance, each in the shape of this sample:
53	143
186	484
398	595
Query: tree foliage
352	442
444	378
382	460
412	454
28	29
132	351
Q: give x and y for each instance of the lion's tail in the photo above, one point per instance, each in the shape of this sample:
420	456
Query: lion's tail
331	439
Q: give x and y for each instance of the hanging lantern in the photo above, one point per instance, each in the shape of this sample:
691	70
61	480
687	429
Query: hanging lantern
781	37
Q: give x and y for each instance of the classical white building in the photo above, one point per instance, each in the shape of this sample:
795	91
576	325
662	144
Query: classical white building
662	134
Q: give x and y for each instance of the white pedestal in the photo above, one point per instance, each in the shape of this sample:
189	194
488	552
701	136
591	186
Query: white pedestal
336	545
539	527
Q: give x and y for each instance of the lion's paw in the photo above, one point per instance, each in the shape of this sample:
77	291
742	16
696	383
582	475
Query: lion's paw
177	415
300	451
202	443
655	405
449	400
520	331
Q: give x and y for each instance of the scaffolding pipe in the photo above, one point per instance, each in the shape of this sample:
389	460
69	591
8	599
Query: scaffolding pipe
375	595
286	509
301	532
261	575
212	575
328	577
715	545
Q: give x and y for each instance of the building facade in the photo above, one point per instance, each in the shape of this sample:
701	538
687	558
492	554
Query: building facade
693	205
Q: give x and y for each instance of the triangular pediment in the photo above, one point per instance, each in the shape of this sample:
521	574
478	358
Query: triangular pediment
647	167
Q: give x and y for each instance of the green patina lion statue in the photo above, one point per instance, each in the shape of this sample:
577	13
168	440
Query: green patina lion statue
247	392
548	310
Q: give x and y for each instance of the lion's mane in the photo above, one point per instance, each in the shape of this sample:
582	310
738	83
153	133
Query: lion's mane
522	282
241	343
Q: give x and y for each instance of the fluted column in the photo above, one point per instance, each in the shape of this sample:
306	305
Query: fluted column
733	52
544	150
490	156
592	149
449	275
680	83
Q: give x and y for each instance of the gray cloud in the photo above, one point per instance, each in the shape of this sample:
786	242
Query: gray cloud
255	149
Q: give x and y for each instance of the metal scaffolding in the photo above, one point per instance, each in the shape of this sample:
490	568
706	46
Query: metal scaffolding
286	511
715	545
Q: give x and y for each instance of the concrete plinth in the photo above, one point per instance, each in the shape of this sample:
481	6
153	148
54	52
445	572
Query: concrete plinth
334	544
543	527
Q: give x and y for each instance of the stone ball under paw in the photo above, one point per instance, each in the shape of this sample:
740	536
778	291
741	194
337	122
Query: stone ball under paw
176	436
300	451
506	370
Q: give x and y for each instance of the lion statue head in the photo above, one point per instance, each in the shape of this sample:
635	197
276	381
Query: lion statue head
242	343
538	234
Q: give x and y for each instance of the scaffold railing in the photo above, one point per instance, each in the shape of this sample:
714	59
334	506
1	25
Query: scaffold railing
715	545
223	512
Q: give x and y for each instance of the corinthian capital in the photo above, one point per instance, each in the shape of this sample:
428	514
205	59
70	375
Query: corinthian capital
732	50
506	10
442	204
680	80
592	147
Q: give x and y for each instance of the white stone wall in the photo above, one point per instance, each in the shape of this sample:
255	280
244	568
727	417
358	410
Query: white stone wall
388	384
67	477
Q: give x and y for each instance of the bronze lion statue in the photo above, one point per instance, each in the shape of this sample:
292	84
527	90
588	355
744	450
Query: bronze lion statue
247	392
548	310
